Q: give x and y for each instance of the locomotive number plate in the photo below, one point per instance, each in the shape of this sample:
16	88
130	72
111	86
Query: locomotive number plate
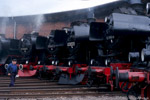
24	49
71	44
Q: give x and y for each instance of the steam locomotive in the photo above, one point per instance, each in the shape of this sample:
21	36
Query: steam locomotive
33	47
29	50
115	51
8	51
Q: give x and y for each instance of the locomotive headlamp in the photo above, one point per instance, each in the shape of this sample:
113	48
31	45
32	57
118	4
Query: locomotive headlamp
53	62
22	39
39	62
27	62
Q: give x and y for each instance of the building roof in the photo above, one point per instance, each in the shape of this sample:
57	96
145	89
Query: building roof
67	16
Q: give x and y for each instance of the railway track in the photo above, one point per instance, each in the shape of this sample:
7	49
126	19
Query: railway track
35	88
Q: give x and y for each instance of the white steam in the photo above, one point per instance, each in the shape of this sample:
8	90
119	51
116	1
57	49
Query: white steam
38	21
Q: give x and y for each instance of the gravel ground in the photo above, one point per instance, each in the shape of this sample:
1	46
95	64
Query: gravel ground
80	98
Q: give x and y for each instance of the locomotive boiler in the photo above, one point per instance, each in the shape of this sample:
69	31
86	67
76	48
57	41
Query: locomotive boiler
72	42
8	51
56	46
33	48
122	35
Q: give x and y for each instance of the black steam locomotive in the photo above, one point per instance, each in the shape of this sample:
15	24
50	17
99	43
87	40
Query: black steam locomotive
8	51
33	48
121	38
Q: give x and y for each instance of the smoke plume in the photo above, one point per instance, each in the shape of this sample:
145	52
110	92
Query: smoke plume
38	20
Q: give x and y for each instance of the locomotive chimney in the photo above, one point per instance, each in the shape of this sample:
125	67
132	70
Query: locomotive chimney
91	16
148	8
137	5
134	1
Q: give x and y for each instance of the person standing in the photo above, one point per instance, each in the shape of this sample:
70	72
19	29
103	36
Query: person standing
12	70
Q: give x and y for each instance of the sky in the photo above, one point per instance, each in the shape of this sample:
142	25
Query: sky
9	8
